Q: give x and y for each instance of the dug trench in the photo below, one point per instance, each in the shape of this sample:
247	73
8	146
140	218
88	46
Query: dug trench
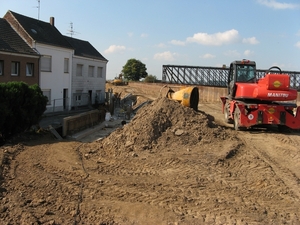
169	165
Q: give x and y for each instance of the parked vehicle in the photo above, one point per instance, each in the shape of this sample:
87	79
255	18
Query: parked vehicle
259	102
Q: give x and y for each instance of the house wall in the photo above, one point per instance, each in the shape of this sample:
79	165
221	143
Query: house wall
85	83
8	58
56	80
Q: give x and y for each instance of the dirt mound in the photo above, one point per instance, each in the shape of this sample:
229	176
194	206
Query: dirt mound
166	124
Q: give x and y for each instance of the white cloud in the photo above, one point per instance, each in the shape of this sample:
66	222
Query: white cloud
161	45
208	56
248	52
144	35
232	53
114	49
297	44
278	5
130	34
166	56
175	42
252	41
216	39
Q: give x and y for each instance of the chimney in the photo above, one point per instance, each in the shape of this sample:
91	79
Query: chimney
52	21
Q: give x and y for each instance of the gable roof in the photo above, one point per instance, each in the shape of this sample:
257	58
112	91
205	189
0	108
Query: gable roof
10	41
84	49
40	31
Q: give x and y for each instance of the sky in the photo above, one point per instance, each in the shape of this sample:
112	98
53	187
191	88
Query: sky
209	33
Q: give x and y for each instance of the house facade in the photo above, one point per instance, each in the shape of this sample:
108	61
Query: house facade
88	74
18	61
71	72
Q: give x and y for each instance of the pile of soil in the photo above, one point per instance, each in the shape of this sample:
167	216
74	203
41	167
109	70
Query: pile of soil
166	124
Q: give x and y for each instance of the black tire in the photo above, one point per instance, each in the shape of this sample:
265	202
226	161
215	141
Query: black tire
236	120
226	114
283	129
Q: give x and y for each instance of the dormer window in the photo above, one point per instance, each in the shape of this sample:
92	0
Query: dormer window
33	31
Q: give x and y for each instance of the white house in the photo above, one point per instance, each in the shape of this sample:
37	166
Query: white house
72	71
88	74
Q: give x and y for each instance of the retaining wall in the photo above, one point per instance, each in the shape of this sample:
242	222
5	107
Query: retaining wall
79	122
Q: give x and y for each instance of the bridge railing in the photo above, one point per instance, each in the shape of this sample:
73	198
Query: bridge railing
211	76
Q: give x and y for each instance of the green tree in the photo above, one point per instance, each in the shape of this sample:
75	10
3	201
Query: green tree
134	70
150	79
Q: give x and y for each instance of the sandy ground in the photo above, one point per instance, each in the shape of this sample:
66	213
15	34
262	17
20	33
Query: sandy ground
168	165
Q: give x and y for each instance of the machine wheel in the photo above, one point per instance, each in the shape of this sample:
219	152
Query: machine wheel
236	119
226	114
283	129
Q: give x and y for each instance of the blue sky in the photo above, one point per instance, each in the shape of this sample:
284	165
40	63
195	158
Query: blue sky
177	32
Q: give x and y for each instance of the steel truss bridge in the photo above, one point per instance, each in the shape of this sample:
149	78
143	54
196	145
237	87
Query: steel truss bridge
211	76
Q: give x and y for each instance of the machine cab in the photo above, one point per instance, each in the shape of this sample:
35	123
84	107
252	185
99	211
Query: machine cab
243	71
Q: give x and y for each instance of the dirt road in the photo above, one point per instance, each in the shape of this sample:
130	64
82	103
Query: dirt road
169	165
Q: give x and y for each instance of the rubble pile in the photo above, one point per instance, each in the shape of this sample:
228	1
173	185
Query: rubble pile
165	123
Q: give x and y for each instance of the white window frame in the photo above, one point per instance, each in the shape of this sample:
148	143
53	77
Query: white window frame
15	68
79	70
91	71
46	63
100	72
66	65
29	69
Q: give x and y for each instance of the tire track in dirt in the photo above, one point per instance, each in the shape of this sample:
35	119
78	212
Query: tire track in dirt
287	170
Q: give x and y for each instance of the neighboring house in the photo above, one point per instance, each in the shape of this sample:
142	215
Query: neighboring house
72	72
18	61
88	74
56	57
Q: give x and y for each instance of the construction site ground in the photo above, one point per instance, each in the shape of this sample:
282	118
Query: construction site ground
168	165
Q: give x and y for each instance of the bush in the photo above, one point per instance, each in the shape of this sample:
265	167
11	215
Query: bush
150	79
21	106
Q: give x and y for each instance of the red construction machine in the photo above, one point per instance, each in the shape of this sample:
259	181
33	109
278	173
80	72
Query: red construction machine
253	102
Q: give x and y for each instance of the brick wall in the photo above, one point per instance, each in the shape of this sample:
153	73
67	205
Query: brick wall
23	60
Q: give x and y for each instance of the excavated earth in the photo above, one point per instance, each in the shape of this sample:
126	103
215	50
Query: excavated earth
168	165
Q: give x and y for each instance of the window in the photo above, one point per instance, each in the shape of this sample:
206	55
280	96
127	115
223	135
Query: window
66	65
1	67
91	71
46	62
79	70
29	69
99	71
47	93
15	67
245	73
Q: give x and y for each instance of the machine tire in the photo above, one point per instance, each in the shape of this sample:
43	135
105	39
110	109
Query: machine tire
283	129
236	120
226	114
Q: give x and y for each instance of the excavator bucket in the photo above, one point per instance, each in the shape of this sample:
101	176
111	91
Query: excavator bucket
187	96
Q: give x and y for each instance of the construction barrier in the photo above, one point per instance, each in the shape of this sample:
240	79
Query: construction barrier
82	121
